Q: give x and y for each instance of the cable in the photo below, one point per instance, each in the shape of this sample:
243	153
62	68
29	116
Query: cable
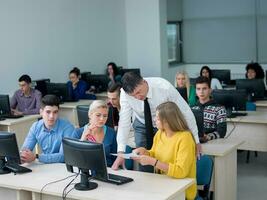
41	191
234	126
64	193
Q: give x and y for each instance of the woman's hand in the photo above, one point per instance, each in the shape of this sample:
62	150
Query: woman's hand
145	160
141	151
89	131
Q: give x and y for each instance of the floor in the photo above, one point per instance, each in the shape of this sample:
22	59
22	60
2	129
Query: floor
252	176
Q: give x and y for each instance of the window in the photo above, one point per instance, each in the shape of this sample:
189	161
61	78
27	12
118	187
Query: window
174	42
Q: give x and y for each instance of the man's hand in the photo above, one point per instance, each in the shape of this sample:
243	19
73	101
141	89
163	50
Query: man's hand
16	112
27	156
118	162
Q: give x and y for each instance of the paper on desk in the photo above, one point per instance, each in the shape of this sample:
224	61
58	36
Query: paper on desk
126	155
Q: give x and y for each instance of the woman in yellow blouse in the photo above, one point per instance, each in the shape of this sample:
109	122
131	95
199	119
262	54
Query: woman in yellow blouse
173	150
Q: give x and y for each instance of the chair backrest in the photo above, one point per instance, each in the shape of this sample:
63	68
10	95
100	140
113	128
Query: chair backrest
82	112
204	172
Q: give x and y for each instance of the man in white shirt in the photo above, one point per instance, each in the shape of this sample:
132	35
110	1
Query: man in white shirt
134	91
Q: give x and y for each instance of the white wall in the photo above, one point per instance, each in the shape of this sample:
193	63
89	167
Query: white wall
144	26
174	10
47	38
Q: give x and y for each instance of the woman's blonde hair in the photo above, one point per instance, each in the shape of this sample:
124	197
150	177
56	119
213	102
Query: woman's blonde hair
169	113
97	104
187	81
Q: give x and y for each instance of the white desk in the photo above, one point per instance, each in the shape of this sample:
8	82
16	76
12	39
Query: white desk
68	110
145	186
224	180
101	96
261	105
19	126
252	129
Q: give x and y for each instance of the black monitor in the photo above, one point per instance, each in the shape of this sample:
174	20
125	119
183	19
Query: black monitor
135	70
183	93
255	88
8	151
193	81
41	85
88	157
223	75
232	100
85	75
4	105
99	81
60	90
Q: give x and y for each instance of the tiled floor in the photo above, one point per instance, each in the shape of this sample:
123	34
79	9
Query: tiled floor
252	176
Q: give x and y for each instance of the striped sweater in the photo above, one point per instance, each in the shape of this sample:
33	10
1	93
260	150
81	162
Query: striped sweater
213	119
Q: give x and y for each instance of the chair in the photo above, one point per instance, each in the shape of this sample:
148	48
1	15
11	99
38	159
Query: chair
204	174
82	112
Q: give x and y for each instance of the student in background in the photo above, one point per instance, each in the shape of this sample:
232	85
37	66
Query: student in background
48	134
215	83
113	74
213	115
173	149
26	101
254	71
97	131
182	81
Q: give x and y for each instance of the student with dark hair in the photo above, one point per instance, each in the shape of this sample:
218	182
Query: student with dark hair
207	112
113	74
141	97
254	71
77	87
215	83
48	134
26	100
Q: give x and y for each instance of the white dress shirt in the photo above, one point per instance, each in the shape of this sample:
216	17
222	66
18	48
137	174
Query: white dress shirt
215	84
159	91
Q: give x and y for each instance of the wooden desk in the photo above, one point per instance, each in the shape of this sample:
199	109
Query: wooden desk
252	129
224	180
20	126
261	105
145	185
68	110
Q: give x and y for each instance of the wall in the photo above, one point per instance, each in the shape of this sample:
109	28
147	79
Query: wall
46	38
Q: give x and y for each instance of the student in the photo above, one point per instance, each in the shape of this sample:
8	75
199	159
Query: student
113	74
26	101
173	150
141	97
48	134
97	131
254	71
215	83
77	87
182	81
213	115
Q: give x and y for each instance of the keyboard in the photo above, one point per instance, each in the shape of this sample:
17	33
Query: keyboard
115	179
13	167
11	116
236	114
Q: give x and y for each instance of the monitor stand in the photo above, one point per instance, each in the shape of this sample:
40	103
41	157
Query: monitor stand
85	184
3	169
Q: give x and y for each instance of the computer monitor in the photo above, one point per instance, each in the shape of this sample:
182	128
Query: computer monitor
4	105
85	75
99	81
223	75
135	70
60	90
183	93
41	85
9	151
232	100
193	81
88	157
255	88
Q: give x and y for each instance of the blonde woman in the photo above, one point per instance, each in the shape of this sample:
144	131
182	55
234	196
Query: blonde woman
173	150
182	81
97	131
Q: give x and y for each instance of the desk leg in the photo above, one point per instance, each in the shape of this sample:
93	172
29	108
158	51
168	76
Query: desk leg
225	176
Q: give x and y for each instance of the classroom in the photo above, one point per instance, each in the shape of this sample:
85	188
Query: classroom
129	58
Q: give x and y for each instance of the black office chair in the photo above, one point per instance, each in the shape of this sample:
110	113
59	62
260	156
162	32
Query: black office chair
82	112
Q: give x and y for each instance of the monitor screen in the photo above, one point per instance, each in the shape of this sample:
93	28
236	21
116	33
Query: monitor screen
99	81
223	75
88	157
85	76
4	105
232	100
41	85
255	88
136	70
60	90
9	151
183	93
